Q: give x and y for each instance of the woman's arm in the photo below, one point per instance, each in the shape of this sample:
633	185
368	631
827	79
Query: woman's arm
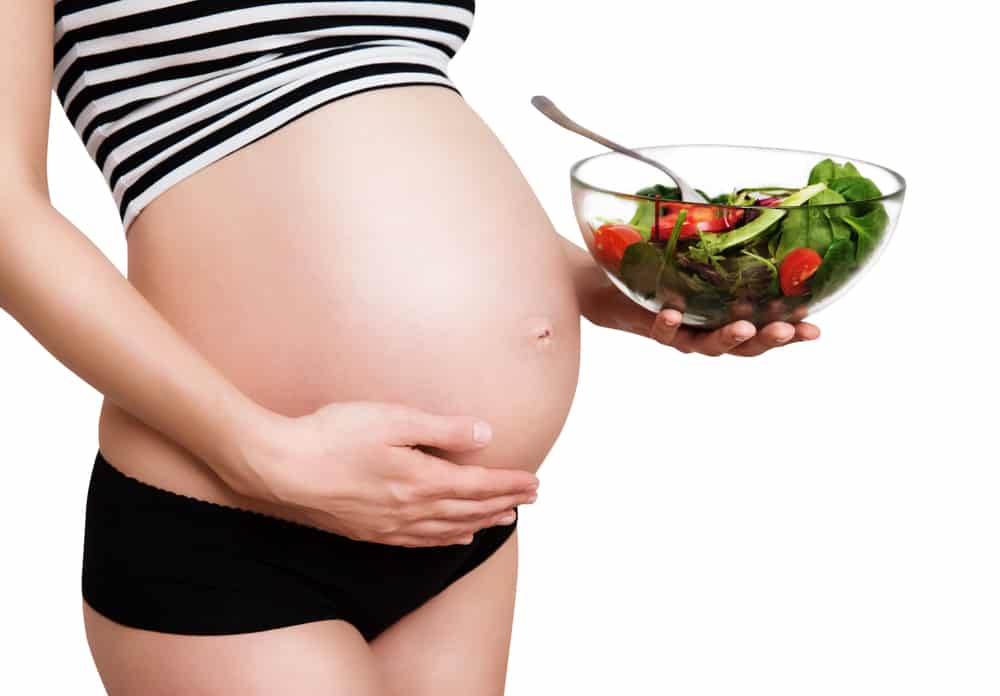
604	305
73	300
58	285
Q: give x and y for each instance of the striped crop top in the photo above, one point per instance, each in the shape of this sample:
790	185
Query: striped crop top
158	89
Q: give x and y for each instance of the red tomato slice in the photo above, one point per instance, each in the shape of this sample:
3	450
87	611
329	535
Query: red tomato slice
664	227
699	213
798	267
611	241
699	219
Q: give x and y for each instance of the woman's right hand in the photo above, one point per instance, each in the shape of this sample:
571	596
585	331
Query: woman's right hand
354	468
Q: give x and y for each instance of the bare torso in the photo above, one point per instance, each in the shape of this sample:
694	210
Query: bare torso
384	247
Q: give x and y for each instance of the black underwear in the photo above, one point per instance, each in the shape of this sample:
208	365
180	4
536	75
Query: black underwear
163	561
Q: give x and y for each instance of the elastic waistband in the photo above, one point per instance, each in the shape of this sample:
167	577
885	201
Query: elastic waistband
112	491
111	486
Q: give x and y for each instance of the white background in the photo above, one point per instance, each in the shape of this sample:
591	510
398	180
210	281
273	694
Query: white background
820	520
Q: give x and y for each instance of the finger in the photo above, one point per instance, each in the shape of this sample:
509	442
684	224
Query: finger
469	510
422	542
805	331
777	333
771	336
666	326
411	426
439	478
446	529
724	339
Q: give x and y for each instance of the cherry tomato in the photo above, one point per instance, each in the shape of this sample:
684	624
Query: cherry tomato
798	267
699	219
611	241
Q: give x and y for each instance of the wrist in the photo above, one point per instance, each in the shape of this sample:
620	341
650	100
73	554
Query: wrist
252	440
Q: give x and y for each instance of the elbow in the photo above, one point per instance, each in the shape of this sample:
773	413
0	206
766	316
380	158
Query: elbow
20	206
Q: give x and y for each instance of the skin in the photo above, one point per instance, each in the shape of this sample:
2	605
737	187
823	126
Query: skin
184	409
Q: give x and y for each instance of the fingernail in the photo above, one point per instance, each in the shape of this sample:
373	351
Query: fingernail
742	331
784	338
467	540
482	432
506	519
533	497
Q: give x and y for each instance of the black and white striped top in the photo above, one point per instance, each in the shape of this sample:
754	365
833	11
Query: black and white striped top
158	89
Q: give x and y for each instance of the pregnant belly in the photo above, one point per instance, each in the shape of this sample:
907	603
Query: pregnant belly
384	247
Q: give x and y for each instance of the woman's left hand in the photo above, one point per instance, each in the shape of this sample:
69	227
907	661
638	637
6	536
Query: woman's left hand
738	338
604	305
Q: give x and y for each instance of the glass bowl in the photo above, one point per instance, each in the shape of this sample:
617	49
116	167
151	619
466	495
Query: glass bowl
769	254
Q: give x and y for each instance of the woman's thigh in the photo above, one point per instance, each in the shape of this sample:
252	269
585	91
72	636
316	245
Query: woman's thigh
327	658
458	642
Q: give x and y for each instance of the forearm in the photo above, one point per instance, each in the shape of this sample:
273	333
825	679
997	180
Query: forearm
601	303
76	303
586	275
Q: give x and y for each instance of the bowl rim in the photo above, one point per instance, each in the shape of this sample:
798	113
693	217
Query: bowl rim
900	192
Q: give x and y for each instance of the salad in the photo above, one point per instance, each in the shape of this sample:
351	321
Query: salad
793	244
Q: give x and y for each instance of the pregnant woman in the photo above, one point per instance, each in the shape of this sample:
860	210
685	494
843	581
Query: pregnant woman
348	338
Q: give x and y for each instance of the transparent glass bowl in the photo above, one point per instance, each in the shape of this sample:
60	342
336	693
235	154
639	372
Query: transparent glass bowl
732	284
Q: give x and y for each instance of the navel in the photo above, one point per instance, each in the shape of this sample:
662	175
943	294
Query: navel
540	331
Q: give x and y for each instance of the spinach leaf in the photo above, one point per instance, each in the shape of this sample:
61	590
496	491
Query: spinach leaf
838	226
640	268
813	227
826	197
855	188
828	171
869	229
838	262
823	173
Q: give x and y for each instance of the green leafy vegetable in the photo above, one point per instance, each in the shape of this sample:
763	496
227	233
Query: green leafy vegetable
640	269
813	227
827	171
838	262
855	188
869	229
